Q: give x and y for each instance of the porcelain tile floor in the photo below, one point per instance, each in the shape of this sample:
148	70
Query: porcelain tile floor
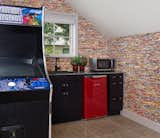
108	127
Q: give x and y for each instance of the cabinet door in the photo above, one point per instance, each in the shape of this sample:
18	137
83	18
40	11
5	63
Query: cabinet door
58	100
67	98
115	105
115	93
115	85
73	100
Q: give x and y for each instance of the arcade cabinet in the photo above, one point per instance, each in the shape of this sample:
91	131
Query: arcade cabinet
24	83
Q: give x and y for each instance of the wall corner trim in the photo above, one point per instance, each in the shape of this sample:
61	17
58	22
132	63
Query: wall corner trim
141	120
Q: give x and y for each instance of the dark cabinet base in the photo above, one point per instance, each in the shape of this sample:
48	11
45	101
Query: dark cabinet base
67	96
114	108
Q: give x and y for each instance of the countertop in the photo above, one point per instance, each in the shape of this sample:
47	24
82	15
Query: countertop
82	73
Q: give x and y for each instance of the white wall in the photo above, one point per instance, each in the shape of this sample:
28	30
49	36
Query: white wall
116	18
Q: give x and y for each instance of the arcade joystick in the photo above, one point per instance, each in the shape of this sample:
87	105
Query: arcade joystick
28	82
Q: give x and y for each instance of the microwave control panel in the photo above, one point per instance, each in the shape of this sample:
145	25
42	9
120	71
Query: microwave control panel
23	84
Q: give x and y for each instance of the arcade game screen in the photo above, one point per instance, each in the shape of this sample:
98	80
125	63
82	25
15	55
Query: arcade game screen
21	55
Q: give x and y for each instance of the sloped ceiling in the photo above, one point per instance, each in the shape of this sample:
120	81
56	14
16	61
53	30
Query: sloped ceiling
115	18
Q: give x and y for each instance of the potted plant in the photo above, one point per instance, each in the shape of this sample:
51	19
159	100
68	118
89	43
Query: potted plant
75	62
82	63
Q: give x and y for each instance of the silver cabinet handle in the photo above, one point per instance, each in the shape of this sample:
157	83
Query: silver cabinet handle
67	93
114	99
63	93
120	98
63	84
67	85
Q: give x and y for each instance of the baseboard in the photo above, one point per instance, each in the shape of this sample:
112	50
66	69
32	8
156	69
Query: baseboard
141	120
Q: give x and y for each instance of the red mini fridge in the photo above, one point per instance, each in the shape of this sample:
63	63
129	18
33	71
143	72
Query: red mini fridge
95	96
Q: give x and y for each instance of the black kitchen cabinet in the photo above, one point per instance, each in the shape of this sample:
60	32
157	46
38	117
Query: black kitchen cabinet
67	98
115	93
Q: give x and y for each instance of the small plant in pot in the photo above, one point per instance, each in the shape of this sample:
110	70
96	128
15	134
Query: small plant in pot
82	63
75	62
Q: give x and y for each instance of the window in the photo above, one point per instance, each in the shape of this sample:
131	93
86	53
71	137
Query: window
60	35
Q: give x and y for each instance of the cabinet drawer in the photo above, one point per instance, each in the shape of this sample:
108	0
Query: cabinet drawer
115	105
116	83
115	91
116	77
118	99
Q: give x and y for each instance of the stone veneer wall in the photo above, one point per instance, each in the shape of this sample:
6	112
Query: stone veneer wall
91	42
139	58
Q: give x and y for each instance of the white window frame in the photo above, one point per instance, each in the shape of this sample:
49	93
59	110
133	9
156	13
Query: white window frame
63	18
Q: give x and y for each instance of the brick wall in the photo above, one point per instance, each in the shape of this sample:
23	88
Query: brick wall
139	58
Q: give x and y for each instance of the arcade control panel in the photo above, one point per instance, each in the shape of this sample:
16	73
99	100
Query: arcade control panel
23	84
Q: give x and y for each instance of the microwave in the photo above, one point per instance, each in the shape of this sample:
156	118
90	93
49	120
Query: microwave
99	64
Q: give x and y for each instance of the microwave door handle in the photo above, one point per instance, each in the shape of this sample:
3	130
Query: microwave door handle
112	64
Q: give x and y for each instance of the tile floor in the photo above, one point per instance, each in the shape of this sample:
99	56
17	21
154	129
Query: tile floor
108	127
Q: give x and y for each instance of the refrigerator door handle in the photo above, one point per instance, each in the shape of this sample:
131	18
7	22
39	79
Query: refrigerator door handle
97	84
95	76
99	76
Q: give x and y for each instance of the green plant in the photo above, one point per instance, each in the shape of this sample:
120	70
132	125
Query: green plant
48	28
48	49
83	61
75	60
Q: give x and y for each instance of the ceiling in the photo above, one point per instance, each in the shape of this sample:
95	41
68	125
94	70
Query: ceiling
115	18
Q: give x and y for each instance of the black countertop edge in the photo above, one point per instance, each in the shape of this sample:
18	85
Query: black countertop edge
83	73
